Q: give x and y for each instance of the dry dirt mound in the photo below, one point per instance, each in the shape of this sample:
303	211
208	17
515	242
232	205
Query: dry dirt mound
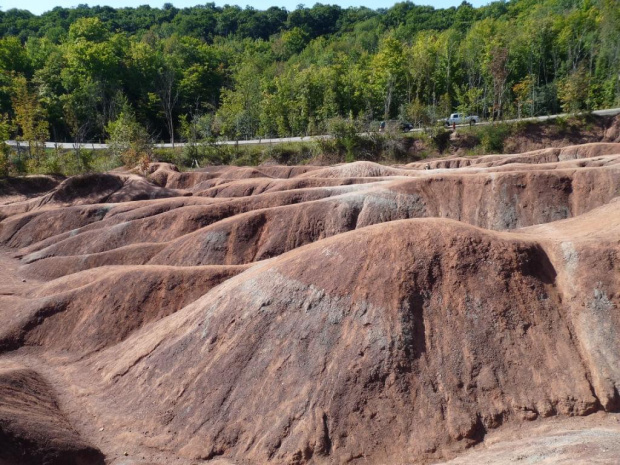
286	172
90	230
56	267
166	174
269	232
259	186
19	189
612	134
32	428
349	333
354	313
94	309
243	229
549	155
358	169
246	229
93	188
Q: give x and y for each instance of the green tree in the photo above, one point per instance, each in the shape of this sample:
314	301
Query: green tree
275	72
5	152
129	141
290	43
417	113
241	106
389	72
444	107
469	99
30	119
95	61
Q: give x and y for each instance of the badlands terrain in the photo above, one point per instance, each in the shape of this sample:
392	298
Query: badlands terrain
460	311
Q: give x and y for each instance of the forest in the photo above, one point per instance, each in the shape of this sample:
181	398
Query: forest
205	72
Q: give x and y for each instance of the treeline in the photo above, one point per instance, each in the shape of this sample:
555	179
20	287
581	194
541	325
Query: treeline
208	71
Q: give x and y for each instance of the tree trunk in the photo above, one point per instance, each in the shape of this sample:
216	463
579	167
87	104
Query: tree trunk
168	97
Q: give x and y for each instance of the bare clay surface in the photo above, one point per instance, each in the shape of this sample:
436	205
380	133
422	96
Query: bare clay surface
358	313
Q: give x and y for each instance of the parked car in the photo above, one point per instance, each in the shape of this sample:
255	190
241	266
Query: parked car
460	118
395	125
405	126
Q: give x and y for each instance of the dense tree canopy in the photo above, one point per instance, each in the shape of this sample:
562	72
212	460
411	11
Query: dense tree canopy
279	73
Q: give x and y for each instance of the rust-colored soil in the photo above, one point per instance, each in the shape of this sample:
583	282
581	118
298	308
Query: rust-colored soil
356	313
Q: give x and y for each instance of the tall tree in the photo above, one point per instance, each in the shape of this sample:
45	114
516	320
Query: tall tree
30	118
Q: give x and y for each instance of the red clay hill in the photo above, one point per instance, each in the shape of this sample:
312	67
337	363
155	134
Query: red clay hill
356	313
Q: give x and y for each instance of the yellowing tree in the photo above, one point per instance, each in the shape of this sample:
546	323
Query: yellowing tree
5	163
30	118
573	90
523	94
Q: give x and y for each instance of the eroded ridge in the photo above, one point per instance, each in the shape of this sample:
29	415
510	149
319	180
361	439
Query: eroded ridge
358	312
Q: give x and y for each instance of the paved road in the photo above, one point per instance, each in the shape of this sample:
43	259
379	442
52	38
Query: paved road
93	146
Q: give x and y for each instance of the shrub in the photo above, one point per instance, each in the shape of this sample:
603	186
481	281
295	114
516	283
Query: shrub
17	163
440	137
573	90
290	153
129	141
5	151
247	156
345	135
493	136
52	163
